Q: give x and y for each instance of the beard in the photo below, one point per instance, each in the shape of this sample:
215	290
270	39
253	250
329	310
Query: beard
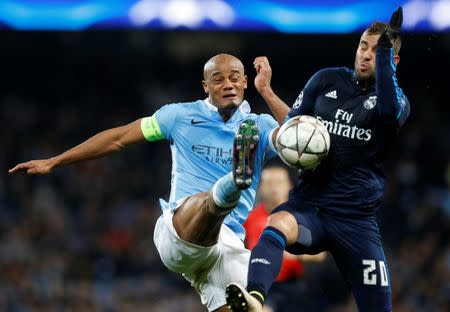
367	75
365	78
228	110
230	105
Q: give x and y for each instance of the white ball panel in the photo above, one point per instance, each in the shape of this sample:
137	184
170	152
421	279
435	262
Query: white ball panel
308	160
317	144
295	134
291	156
304	132
321	127
308	119
325	134
289	138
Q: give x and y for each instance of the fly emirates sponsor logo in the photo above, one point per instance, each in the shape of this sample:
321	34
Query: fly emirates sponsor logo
341	126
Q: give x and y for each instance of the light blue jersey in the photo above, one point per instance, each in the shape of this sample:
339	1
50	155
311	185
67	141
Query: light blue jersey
202	150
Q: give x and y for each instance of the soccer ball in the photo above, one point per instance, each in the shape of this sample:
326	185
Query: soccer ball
302	142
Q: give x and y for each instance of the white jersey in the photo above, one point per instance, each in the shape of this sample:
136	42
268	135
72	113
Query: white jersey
202	150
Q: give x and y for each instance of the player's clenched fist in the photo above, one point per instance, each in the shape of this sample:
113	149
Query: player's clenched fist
392	31
263	73
40	166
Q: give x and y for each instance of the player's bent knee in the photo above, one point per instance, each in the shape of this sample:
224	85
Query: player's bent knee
196	202
286	223
204	203
189	210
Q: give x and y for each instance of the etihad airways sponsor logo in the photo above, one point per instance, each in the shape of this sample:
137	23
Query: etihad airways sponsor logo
214	154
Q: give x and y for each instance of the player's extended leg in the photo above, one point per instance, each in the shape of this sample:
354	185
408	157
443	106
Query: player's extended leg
193	241
357	250
199	219
300	231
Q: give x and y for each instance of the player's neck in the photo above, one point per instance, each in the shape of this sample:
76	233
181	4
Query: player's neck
226	113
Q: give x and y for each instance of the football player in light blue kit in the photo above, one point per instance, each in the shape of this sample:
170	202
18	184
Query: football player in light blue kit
218	148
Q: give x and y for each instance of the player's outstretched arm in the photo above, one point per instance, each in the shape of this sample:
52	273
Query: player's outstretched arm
392	103
278	108
101	144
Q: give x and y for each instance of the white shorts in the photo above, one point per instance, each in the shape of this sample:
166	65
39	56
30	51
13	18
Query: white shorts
208	269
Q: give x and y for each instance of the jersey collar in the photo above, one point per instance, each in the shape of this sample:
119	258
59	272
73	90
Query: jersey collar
244	108
356	81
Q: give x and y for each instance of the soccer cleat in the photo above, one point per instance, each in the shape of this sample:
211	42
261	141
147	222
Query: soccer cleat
239	300
244	149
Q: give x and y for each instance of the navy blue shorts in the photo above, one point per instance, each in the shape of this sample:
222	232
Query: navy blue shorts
355	244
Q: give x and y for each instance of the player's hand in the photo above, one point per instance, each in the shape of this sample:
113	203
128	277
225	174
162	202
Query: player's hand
392	31
40	166
263	73
395	23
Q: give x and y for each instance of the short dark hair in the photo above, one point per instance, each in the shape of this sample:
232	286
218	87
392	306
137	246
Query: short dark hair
377	28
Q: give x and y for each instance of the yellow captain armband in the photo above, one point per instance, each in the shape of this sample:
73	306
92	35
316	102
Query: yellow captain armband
150	129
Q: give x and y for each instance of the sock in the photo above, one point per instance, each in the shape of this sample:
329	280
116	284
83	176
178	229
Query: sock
265	262
225	192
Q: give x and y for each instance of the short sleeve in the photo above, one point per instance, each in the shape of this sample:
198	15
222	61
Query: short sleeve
267	126
160	125
304	104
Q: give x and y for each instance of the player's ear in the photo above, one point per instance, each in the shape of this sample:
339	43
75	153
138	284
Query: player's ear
396	59
205	86
245	81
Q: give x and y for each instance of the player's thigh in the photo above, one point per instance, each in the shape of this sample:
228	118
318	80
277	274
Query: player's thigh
208	269
311	238
358	252
195	222
177	254
191	207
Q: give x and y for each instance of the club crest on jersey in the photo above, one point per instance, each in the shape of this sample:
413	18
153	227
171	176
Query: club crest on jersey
370	102
298	101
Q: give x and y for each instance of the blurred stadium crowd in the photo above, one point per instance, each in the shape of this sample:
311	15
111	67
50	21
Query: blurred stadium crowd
80	239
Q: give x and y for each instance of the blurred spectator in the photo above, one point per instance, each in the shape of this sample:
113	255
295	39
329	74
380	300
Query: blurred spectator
289	291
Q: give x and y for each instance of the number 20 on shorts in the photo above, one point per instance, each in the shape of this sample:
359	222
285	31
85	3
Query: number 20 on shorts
370	275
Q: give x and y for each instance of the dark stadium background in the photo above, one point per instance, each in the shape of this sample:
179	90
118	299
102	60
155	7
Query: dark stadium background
80	239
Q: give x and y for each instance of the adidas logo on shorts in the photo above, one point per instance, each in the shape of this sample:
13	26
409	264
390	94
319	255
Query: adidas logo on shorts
260	260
